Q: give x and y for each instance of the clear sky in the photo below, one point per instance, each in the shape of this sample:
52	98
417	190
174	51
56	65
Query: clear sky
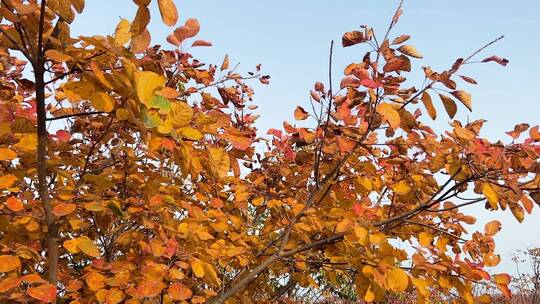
291	40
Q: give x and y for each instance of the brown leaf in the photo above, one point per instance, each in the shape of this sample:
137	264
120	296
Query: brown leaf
352	38
464	97
426	100
449	105
499	60
410	51
401	39
225	63
201	43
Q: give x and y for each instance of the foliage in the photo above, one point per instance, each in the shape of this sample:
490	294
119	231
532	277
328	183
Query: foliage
131	174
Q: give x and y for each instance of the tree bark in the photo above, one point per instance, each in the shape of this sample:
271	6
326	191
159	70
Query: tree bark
42	137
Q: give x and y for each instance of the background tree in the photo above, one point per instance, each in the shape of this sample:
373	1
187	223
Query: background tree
130	173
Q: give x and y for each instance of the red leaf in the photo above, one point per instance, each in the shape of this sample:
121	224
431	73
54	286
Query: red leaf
63	136
369	83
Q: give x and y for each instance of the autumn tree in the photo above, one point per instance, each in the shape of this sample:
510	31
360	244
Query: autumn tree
135	174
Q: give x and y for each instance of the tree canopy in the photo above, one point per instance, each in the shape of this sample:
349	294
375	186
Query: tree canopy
133	173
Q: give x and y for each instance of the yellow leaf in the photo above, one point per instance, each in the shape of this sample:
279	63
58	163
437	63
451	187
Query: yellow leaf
102	102
397	280
344	226
362	234
122	34
9	263
492	228
409	50
98	73
491	195
180	114
191	133
370	296
365	183
428	103
422	285
168	11
89	248
57	56
401	188
425	238
464	97
390	115
28	142
197	267
378	238
146	82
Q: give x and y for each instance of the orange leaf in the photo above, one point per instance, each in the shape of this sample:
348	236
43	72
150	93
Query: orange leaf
64	209
535	135
502	278
194	27
527	203
33	278
345	145
8	283
300	113
492	228
45	293
9	263
7	154
150	288
426	100
14	204
179	291
390	115
168	12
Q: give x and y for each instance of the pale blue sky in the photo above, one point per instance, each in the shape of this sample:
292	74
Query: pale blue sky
291	39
